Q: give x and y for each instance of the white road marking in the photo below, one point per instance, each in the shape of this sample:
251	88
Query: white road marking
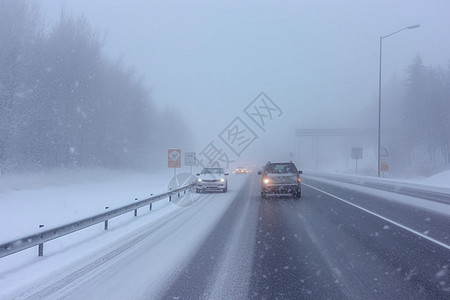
384	218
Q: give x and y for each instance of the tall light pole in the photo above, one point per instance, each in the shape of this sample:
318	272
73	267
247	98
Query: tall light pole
379	92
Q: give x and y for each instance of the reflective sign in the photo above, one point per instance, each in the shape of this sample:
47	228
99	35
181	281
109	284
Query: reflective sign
174	158
190	159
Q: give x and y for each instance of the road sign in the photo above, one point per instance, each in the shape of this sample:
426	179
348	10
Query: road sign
357	153
174	158
190	159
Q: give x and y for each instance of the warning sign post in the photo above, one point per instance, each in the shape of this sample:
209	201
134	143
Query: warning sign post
174	160
384	161
357	153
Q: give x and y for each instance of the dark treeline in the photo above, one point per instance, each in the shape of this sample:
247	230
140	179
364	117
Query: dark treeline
416	112
63	103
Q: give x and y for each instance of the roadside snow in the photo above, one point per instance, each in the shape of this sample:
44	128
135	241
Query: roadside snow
20	210
57	198
441	179
439	183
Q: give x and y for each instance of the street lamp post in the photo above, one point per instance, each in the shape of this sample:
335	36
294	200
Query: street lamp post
379	92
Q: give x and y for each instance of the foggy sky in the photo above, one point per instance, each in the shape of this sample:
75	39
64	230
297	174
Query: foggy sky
318	60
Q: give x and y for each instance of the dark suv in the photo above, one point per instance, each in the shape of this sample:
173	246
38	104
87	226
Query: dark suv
280	179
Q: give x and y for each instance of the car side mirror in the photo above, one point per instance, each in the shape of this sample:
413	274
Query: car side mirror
198	174
226	174
300	172
259	173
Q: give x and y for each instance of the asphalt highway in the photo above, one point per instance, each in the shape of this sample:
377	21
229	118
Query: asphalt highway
320	247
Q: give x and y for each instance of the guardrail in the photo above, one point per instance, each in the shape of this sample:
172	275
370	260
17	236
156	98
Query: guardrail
439	194
39	239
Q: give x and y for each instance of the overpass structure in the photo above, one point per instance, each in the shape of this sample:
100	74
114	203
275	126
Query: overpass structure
322	148
316	132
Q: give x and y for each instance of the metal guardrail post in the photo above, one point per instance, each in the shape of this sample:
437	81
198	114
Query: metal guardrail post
106	221
150	205
135	211
41	246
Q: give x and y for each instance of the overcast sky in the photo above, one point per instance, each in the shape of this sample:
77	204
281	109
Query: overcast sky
318	60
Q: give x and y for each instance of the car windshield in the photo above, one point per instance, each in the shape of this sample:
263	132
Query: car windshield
212	171
281	168
238	149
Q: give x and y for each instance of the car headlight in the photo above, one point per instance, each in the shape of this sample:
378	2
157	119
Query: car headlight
199	180
222	179
266	180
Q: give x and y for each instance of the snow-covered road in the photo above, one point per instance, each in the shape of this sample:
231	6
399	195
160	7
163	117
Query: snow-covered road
336	242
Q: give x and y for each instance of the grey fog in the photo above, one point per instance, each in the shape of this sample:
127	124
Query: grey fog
224	149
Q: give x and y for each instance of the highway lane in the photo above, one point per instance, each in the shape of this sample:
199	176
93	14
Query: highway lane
222	267
344	252
317	247
427	217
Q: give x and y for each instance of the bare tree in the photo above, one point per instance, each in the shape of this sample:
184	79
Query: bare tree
19	31
64	103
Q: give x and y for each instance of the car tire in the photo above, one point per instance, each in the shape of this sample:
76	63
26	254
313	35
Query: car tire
225	189
198	191
263	195
298	194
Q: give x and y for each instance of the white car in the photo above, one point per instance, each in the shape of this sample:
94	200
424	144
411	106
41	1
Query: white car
211	179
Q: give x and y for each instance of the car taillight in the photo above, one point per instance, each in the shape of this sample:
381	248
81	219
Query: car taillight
298	179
